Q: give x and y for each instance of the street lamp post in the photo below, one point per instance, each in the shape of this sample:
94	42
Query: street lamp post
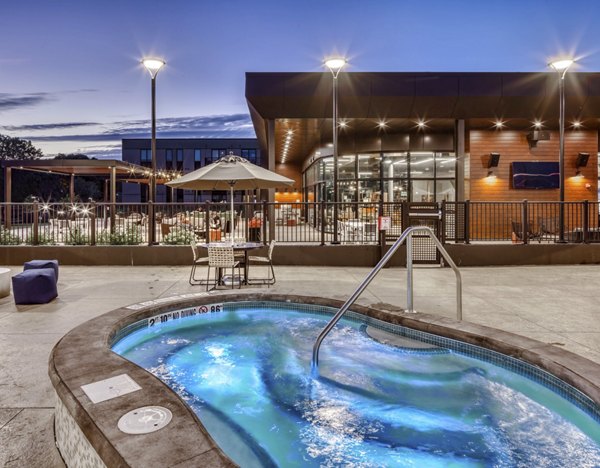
335	65
561	67
153	66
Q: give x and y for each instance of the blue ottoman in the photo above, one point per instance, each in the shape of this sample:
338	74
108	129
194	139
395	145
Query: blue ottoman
37	264
34	286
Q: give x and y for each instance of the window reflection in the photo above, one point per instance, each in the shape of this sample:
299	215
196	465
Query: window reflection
423	191
346	167
368	166
395	190
389	177
421	165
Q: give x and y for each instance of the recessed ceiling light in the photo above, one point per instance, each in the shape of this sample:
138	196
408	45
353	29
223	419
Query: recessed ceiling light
499	124
382	124
576	124
537	124
421	124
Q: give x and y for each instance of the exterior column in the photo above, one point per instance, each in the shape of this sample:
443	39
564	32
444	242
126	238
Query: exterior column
113	197
8	196
459	151
72	189
271	167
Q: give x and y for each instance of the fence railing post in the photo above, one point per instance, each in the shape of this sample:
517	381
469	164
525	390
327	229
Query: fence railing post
524	222
404	220
467	214
322	215
113	208
442	237
151	223
586	221
382	246
36	223
93	224
263	224
206	221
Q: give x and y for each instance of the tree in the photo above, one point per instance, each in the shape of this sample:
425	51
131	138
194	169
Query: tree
16	148
72	156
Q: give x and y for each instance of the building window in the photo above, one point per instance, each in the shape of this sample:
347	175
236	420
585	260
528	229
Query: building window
390	177
249	154
146	157
179	156
197	158
216	154
169	159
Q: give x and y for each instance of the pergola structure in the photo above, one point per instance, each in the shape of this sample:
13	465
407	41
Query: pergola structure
110	169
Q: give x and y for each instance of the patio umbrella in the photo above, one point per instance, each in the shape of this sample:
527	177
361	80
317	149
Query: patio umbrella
233	173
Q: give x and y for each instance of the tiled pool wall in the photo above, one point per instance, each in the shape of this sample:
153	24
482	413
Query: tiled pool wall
515	365
74	447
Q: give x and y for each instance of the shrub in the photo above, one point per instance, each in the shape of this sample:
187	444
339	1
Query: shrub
44	238
129	236
179	237
8	238
77	236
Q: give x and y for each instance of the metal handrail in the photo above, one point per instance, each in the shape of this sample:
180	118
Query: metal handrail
406	235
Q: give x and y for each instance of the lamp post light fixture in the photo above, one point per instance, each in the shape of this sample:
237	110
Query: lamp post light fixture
153	65
561	66
335	65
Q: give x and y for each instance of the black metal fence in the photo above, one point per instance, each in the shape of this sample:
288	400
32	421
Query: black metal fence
299	223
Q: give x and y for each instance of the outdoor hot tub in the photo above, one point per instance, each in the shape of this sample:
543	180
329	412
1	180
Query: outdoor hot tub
233	372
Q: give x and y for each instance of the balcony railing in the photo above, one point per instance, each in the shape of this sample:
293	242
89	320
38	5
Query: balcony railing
297	223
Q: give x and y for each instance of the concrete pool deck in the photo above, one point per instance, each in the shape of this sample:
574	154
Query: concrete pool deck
556	305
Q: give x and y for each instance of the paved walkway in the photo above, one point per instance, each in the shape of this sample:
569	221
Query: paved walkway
558	305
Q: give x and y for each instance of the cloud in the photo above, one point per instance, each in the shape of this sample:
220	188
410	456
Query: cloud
212	126
14	101
102	151
48	126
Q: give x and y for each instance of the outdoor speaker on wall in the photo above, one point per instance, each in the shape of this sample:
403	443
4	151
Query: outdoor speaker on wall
582	159
494	160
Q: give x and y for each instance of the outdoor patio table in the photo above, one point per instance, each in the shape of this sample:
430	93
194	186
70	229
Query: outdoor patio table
238	247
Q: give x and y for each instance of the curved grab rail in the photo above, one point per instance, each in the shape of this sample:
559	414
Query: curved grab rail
406	235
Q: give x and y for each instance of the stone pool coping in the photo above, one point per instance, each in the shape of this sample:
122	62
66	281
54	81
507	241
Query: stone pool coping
83	356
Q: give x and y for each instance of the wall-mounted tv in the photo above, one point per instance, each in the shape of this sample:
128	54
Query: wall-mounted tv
535	175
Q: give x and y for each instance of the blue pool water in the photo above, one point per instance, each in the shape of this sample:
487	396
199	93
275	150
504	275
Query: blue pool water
246	373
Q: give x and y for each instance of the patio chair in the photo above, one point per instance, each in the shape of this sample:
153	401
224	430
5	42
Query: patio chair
517	232
220	258
268	260
548	227
196	260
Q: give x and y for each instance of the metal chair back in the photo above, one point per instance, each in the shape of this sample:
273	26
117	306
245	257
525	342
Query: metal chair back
221	257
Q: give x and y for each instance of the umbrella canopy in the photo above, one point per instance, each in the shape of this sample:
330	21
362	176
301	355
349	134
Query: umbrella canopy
233	173
230	172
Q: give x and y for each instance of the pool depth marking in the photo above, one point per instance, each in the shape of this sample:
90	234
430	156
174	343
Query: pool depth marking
179	314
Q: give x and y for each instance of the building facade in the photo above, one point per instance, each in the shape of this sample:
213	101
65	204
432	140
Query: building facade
180	155
427	137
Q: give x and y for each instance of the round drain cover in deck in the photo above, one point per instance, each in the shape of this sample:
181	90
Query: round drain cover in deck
145	420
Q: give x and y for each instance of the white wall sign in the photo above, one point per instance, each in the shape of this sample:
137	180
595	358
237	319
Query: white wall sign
385	223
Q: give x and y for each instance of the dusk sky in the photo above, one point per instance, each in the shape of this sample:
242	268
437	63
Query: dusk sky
70	78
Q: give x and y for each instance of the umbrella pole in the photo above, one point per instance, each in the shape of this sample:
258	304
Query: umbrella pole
231	222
